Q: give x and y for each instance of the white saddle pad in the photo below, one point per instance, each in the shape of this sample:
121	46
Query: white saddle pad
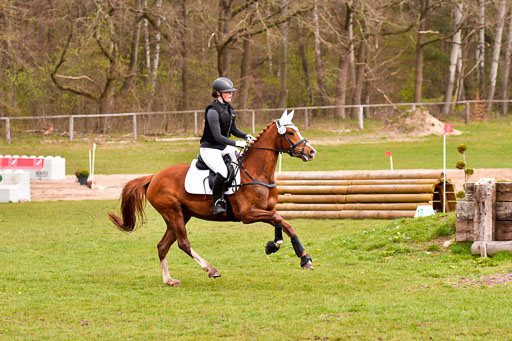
196	181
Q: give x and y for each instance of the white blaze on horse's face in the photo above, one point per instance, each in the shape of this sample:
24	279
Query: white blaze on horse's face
286	121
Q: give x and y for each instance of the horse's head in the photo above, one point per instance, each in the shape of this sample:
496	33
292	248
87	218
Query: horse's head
298	146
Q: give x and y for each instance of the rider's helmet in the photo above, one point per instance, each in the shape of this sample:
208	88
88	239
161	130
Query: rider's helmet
222	84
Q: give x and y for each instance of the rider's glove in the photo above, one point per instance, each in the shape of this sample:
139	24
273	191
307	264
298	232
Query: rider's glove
241	144
249	138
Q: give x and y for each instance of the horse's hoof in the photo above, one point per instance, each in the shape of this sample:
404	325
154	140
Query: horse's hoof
213	273
308	266
172	282
306	262
271	247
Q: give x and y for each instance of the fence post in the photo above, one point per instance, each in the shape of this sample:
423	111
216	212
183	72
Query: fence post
413	106
134	119
467	112
307	118
195	123
8	130
253	120
71	127
360	117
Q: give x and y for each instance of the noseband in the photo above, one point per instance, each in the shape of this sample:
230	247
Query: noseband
293	147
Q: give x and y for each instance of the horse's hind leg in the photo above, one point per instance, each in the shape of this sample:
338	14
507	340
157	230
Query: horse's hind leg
178	222
163	248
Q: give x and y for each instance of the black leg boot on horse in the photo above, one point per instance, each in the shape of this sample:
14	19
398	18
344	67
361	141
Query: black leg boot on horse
219	204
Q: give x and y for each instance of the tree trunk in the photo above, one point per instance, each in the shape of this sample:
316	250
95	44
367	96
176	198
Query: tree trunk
341	87
351	55
305	68
460	94
283	91
481	49
418	82
245	74
506	70
454	58
185	83
319	65
224	54
147	46
496	53
361	61
156	59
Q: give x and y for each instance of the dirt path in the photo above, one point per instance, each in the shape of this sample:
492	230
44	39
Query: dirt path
110	186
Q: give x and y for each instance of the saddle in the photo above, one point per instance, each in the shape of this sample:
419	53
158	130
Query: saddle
200	178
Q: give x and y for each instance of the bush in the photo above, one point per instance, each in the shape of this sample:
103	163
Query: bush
83	174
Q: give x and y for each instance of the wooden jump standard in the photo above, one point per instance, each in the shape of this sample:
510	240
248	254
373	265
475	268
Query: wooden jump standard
360	194
485	217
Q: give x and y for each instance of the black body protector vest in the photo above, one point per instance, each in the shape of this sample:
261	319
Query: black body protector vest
226	119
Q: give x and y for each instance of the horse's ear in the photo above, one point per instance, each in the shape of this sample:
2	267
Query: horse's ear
290	115
284	115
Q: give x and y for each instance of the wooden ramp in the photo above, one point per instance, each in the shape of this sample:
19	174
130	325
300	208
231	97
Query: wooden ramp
360	194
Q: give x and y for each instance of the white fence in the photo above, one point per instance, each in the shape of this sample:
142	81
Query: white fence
306	111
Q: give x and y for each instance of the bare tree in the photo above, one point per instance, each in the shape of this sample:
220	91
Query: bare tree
283	90
454	57
319	64
480	52
496	52
506	70
117	78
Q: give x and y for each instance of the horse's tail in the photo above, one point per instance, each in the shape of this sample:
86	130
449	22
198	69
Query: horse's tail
132	204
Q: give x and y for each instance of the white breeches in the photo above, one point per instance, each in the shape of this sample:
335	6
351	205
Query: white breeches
213	158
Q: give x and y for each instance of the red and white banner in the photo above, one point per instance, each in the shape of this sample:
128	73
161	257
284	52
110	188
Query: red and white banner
21	163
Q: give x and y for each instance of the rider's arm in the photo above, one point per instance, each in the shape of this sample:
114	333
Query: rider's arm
237	132
213	121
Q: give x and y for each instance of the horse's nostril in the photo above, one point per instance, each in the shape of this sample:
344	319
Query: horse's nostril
312	152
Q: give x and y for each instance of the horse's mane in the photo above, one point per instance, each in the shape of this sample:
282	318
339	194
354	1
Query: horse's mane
265	129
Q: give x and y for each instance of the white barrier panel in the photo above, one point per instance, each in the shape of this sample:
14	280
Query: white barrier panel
41	168
14	186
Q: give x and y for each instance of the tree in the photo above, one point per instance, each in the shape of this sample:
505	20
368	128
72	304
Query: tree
496	52
454	57
506	70
116	79
319	64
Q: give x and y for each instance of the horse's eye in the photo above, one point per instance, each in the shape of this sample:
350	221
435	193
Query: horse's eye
290	133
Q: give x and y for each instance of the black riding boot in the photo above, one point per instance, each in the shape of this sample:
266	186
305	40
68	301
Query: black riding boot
219	204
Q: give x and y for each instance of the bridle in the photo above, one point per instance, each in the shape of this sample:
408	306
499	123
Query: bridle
293	148
292	151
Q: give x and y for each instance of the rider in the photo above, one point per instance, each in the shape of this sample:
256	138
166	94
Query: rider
219	125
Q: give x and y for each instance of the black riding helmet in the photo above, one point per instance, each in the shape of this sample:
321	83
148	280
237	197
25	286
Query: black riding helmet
222	84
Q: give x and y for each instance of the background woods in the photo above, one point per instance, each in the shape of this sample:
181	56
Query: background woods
104	56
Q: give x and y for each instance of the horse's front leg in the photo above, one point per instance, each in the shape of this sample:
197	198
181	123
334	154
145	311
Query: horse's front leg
305	260
272	217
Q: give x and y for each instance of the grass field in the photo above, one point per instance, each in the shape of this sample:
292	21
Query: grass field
67	275
489	146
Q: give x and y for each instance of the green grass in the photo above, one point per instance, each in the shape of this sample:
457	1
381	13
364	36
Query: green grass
489	145
66	275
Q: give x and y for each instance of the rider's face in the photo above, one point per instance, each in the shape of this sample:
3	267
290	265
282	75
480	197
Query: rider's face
226	96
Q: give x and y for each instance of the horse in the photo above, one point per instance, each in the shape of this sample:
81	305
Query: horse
254	201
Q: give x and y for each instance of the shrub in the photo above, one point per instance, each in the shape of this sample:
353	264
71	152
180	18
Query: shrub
83	174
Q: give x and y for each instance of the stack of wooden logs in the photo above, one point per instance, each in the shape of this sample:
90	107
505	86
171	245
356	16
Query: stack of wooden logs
485	216
360	194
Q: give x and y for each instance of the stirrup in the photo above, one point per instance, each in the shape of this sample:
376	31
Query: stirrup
219	207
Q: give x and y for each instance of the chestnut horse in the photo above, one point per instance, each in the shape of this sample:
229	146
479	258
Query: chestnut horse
254	201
